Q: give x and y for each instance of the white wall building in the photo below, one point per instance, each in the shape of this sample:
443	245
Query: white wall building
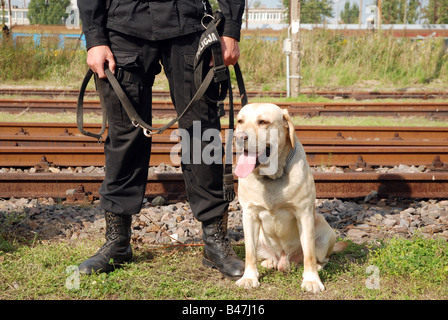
19	16
264	18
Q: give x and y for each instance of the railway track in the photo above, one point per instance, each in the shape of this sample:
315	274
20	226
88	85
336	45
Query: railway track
84	187
308	109
24	145
356	148
160	94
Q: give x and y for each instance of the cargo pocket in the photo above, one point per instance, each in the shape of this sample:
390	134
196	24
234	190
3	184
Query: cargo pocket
127	60
130	74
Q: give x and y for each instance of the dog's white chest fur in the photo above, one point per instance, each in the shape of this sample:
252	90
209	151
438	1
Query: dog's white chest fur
272	194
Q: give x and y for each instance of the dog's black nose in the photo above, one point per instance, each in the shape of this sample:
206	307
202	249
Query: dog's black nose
241	137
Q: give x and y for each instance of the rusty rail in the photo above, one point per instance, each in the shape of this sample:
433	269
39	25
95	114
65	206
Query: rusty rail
171	185
162	94
166	108
24	144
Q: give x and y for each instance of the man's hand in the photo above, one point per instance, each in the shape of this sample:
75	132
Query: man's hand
230	50
96	58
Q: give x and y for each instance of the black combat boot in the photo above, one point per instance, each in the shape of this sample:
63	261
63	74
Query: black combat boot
117	248
218	252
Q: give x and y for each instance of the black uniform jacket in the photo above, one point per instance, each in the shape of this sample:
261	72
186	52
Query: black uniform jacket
152	19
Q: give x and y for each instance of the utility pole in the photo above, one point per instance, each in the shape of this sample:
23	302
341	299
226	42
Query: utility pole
247	14
379	14
3	12
10	15
295	48
360	14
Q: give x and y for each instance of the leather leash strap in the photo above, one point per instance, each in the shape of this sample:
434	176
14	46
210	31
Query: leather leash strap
219	73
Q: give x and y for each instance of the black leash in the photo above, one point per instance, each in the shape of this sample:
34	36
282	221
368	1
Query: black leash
80	108
209	42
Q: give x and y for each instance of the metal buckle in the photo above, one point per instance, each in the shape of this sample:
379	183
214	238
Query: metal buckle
220	73
119	74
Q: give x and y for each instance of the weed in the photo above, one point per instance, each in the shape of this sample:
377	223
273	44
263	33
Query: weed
328	60
418	258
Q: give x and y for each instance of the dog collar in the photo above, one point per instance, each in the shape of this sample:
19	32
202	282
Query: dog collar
291	155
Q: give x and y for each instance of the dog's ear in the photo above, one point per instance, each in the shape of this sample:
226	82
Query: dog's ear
287	123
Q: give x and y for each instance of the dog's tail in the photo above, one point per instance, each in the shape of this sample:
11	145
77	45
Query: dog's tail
340	246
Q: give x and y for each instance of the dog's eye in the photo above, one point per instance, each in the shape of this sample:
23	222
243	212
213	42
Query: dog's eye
240	121
263	122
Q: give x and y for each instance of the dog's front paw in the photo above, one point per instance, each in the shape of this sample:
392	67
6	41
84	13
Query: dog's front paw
311	282
248	283
313	286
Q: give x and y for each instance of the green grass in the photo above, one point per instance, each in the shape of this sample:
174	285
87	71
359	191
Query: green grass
328	60
40	269
424	259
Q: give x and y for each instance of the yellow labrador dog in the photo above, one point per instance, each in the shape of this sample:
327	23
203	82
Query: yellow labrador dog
277	194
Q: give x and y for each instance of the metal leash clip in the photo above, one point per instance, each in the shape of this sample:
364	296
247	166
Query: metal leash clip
148	133
206	15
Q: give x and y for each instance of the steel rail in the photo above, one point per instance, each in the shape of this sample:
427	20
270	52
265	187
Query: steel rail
162	94
302	131
28	156
166	108
171	185
24	144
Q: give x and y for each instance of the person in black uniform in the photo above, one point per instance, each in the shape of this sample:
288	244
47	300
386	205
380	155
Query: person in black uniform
133	38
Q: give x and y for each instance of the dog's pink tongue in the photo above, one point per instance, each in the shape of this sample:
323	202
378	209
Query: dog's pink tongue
246	164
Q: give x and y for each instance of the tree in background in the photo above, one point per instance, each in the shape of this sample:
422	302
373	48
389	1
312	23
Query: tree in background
436	12
312	11
350	14
399	11
48	11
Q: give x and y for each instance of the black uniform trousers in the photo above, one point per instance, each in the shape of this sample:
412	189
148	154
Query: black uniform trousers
127	149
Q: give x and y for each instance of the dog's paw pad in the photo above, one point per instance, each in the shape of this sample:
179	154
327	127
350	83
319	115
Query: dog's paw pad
248	283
